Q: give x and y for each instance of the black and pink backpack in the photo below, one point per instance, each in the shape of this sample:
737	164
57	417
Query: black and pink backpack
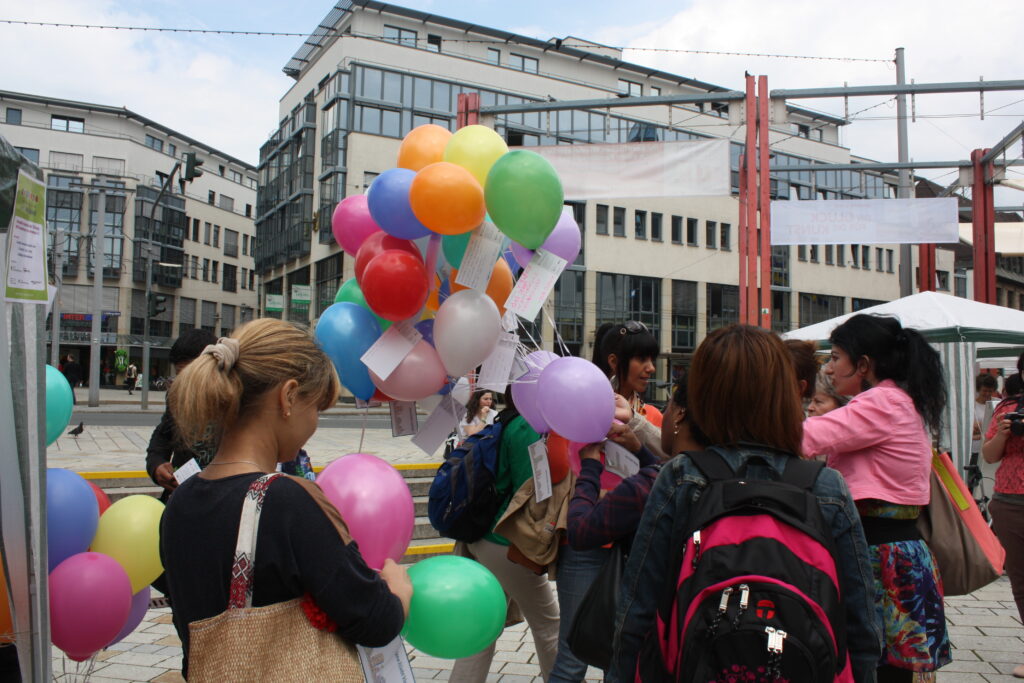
757	595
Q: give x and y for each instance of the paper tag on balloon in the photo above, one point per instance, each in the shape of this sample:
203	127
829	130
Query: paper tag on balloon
186	471
495	371
535	284
509	321
388	664
391	349
372	403
481	255
541	470
620	461
404	420
519	367
438	426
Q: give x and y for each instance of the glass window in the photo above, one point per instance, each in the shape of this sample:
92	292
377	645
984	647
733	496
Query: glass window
829	257
494	56
855	256
814	253
691	231
67	123
433	42
656	227
879	260
442	96
640	224
13	116
392	87
523	63
801	252
841	255
816	308
865	258
391	123
601	219
677	229
630	88
684	316
29	153
888	260
723	305
725	231
710	234
372	80
154	143
568	298
230	242
655	91
402	36
619	225
860	304
216	236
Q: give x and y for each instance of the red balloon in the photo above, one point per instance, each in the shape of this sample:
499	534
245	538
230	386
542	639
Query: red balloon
395	285
101	498
379	395
376	244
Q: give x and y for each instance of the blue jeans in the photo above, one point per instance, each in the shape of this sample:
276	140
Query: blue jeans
577	570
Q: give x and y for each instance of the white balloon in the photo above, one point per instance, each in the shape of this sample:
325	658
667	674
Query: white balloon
466	331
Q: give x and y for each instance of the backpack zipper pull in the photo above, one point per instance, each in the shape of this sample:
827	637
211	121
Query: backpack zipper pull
776	639
744	602
723	607
696	548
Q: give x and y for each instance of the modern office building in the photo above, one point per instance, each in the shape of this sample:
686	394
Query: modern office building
202	239
371	71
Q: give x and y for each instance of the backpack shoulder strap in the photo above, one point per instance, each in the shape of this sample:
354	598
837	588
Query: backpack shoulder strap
711	464
802	473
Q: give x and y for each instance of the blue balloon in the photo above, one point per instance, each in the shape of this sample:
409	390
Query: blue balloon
388	201
72	515
426	328
59	404
345	331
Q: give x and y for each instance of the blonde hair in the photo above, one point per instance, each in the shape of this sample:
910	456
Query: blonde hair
270	352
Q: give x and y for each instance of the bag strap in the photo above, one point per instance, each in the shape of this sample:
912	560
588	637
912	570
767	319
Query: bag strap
711	464
802	473
244	565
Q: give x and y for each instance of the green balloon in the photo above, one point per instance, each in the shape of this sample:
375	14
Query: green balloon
457	608
351	292
454	247
59	403
524	197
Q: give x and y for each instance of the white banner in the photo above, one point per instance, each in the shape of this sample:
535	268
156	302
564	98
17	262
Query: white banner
693	168
865	221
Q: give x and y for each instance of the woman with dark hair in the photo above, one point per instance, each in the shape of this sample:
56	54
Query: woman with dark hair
881	444
480	412
1006	446
749	367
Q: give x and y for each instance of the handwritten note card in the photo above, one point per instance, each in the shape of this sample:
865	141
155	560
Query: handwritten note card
404	420
541	470
391	349
620	461
481	254
494	373
438	426
186	471
535	284
388	664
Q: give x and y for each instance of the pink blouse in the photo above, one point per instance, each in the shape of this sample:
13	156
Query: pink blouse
878	442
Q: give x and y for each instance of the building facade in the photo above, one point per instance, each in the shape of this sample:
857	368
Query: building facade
96	156
372	71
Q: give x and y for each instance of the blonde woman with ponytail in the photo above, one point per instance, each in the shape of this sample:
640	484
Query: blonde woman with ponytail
261	391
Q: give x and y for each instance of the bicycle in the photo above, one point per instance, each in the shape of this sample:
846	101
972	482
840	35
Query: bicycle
975	480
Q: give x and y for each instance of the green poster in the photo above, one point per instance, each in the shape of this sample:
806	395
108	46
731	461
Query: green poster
26	244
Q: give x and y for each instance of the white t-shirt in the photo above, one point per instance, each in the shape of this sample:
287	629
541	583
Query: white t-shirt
489	419
979	422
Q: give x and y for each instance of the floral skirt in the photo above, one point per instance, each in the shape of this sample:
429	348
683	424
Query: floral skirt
908	598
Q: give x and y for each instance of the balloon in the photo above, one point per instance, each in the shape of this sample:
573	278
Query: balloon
140	603
454	247
466	330
59	403
352	223
419	375
457	607
345	331
426	328
498	287
6	621
90	599
475	148
375	503
377	244
609	480
524	390
565	241
395	285
379	395
447	199
576	399
101	498
388	201
351	292
524	197
422	146
129	532
72	515
558	457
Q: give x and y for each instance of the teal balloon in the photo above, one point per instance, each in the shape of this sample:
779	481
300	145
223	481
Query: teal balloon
352	293
457	608
59	403
524	197
454	247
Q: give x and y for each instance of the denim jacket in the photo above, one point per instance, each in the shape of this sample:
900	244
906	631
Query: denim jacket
678	486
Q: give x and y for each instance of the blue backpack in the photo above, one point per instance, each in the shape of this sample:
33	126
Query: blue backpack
463	499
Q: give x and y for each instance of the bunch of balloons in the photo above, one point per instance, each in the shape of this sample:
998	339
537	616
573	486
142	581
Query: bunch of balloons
409	234
102	558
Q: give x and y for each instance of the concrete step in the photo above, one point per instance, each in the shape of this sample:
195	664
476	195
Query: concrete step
421	549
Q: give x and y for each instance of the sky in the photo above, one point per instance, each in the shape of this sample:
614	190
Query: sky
224	90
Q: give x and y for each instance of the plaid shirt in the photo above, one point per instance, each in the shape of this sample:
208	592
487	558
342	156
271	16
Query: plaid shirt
595	521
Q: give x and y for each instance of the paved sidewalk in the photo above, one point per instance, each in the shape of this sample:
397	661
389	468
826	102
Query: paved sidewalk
121	400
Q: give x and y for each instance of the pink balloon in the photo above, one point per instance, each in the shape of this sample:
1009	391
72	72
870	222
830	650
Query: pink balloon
524	391
375	503
565	241
609	480
140	603
352	223
419	375
576	399
90	599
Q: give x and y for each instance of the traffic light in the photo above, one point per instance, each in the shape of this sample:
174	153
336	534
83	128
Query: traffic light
156	304
192	165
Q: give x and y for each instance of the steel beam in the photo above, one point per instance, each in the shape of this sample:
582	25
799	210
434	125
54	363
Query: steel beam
560	105
886	166
896	89
1001	146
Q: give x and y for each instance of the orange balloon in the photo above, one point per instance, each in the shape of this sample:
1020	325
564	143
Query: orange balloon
433	300
498	288
422	146
447	199
6	622
558	457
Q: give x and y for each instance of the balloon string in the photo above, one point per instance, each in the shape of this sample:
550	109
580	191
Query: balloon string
362	434
433	249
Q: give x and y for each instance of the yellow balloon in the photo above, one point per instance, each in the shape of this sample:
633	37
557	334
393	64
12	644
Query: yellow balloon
475	148
129	532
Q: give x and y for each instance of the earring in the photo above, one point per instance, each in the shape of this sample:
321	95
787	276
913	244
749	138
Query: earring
287	414
675	432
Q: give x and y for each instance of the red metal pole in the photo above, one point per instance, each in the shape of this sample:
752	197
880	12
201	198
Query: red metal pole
743	239
988	195
467	111
984	266
765	204
751	173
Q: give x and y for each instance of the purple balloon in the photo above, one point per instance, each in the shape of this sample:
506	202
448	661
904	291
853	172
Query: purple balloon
565	241
375	503
576	399
426	328
140	603
524	390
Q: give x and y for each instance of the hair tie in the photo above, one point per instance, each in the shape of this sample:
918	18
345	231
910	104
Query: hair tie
225	351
